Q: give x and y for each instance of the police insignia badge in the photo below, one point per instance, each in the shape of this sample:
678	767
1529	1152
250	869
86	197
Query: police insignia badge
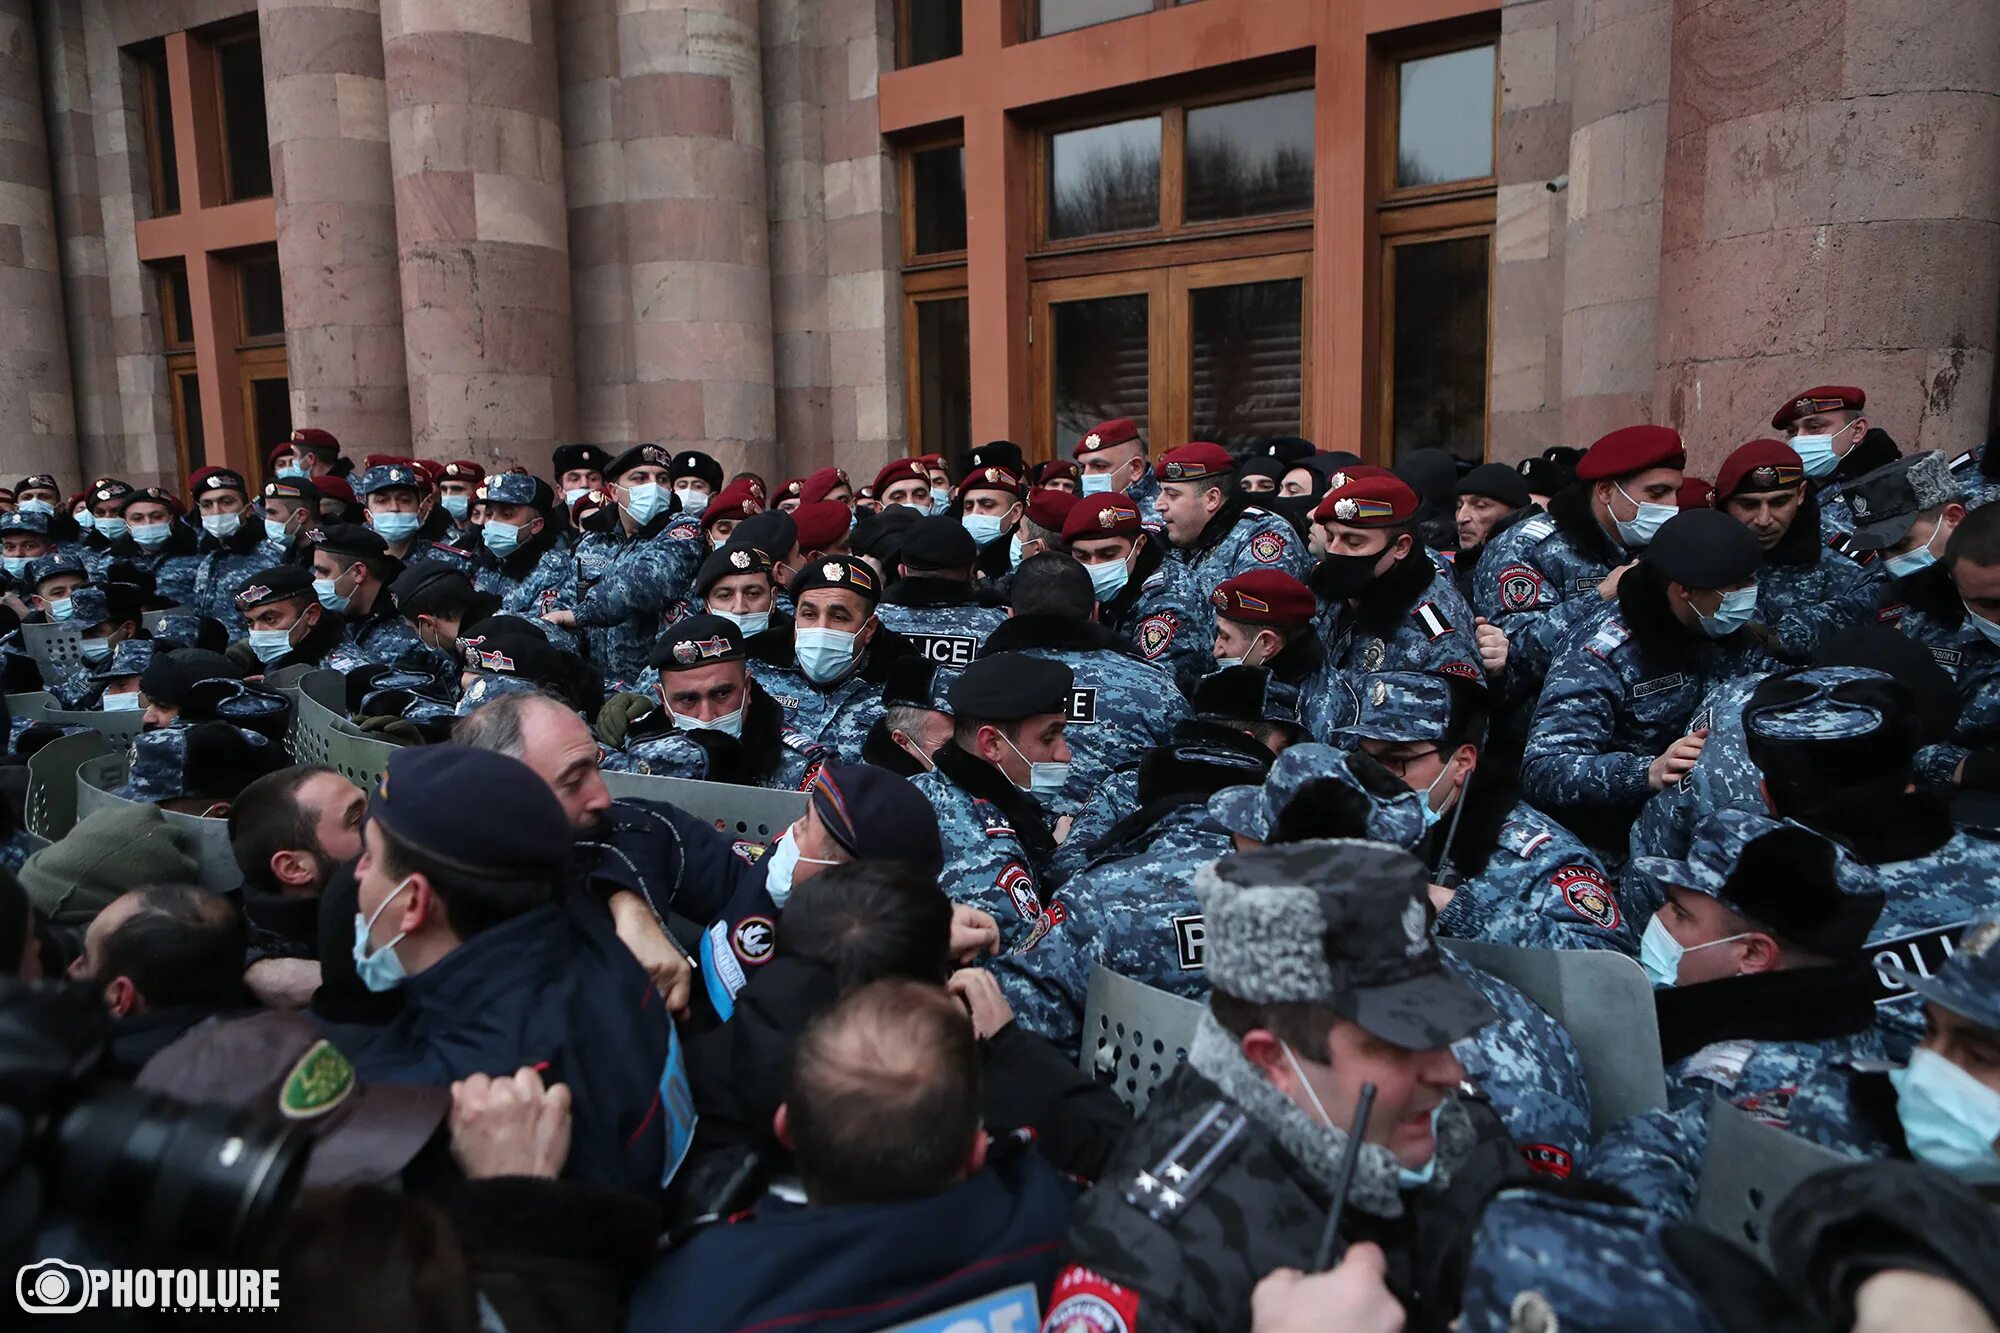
1520	588
1019	886
320	1081
1092	440
831	570
739	560
1345	509
1088	1303
1267	548
686	652
1860	506
1588	895
1373	655
1156	634
1052	917
753	939
1336	481
1378	694
1107	518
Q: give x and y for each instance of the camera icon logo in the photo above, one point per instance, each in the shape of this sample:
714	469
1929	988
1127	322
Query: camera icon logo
52	1287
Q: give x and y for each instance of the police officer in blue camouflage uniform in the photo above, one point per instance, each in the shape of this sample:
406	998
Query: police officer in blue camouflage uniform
715	724
521	558
1548	572
1268	618
291	512
159	543
352	572
24	537
1616	720
629	577
1132	907
458	484
1385	605
47	585
117	681
1514	876
105	500
932	600
1834	442
1006	760
1804	590
1213	527
395	496
1122	705
288	626
1951	607
108	615
830	683
232	544
1147	596
1111	460
1759	954
1835	748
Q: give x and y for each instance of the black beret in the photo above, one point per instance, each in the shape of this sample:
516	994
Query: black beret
350	539
169	677
1704	548
570	457
997	453
416	587
881	535
911	682
694	463
639	455
938	542
772	532
837	571
1497	481
1545	476
280	583
510	652
731	559
878	815
1007	687
422	796
698	641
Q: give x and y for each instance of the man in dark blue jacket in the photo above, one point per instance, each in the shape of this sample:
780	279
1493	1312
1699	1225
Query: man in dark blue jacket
909	1208
498	966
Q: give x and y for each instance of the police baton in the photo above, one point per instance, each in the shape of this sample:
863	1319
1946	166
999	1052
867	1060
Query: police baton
1330	1248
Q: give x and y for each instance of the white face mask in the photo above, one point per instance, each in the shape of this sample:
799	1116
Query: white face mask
693	501
1660	953
729	723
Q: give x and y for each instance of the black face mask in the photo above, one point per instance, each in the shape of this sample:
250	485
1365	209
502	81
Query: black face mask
1338	577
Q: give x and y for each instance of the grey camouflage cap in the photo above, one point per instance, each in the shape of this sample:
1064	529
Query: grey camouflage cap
488	686
18	521
1339	923
1886	502
387	476
46	567
129	657
517	488
1969	981
1402	706
1821	704
88	608
1252	812
1780	875
213	759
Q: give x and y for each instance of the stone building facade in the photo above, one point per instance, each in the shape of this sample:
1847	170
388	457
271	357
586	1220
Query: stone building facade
498	225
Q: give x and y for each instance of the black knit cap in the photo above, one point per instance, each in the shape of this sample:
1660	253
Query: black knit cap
938	542
1497	481
1008	687
1705	548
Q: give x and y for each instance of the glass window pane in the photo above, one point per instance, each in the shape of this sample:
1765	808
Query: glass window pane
271	406
1102	365
1444	118
937	177
1105	178
1053	16
1252	157
933	30
1249	346
1439	398
179	306
263	304
944	367
240	66
190	391
159	124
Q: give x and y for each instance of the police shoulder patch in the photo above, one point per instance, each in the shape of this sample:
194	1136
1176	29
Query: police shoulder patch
1268	548
1432	621
1052	916
753	939
1520	587
1523	839
1462	670
1156	634
1547	1159
1018	883
1084	1301
1537	528
1584	889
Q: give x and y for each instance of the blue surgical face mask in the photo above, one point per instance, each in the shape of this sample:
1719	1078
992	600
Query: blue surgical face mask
939	502
692	501
1989	630
501	538
293	471
1409	1179
643	501
222	526
730	724
1044	779
95	651
395	529
752	623
1431	816
824	654
985	528
127	702
61	608
1950	1118
570	497
270	644
330	596
1660	953
85	520
380	971
456	505
15	565
1816	452
782	862
1913	562
1093	483
1739	605
153	534
111	529
1108	579
1643	526
37	507
1014	551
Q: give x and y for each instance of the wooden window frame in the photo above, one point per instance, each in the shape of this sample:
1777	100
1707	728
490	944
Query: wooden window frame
1172	227
172	335
1389	97
254	364
244	340
180	365
902	19
906	183
212	44
938	284
151	63
1385	425
1031	19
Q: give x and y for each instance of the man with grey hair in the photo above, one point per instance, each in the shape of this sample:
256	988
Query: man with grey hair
1326	979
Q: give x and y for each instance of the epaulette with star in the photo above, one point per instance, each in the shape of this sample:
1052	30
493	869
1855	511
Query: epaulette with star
1164	1191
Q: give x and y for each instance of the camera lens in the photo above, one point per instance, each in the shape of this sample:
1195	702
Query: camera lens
197	1179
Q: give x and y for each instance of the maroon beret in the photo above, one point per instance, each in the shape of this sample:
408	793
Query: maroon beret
1632	449
816	486
1819	398
821	523
1111	514
990	479
1198	461
1757	467
1050	509
1265	597
1108	435
1376	498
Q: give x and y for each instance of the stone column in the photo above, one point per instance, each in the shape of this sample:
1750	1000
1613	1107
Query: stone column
336	206
475	144
1617	157
1528	239
1833	215
37	410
